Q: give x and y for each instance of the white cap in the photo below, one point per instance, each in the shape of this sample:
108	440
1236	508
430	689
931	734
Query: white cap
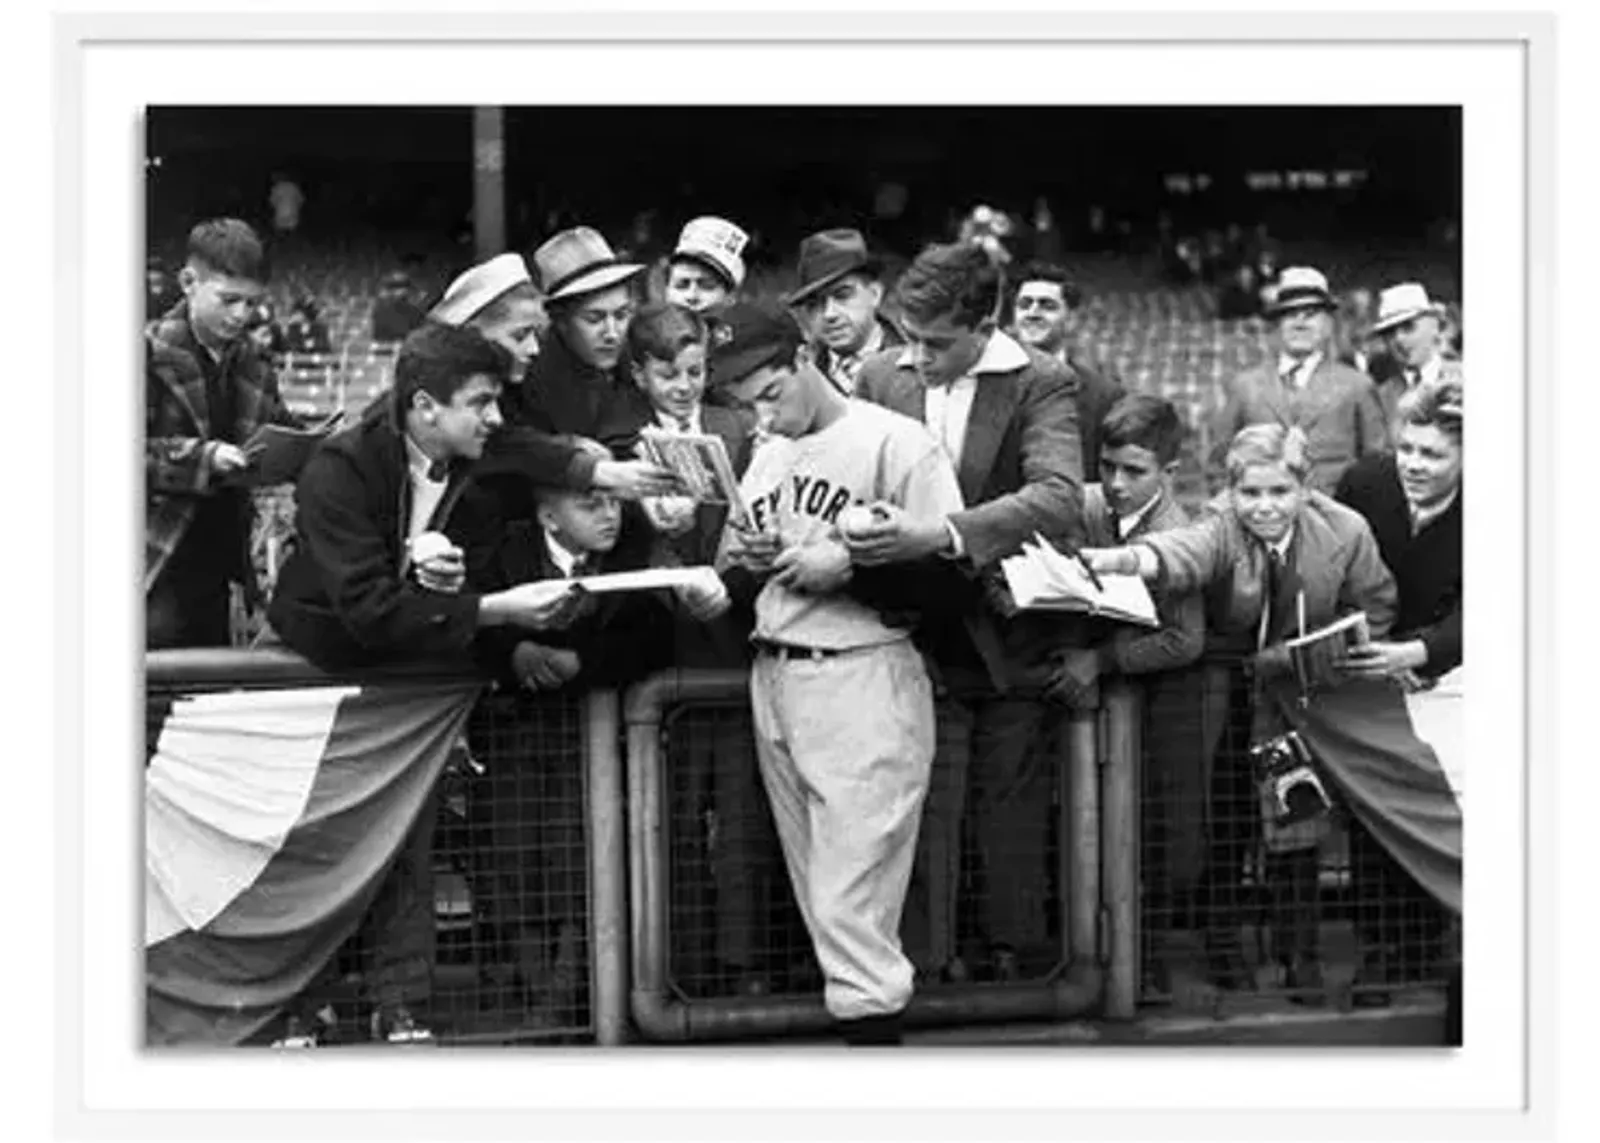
472	291
1399	304
717	241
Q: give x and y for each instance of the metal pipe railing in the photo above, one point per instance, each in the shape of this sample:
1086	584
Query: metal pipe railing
661	1013
1120	759
608	870
233	668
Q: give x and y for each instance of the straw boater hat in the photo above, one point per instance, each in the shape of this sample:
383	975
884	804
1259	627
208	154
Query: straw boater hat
1400	304
717	244
579	261
1301	288
469	294
827	256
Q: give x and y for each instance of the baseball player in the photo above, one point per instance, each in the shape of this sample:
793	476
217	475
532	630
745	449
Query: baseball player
841	701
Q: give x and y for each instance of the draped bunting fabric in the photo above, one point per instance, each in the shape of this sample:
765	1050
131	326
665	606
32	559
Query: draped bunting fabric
271	818
1390	778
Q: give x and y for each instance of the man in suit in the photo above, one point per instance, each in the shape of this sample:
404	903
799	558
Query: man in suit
1305	387
207	390
1007	417
1042	314
837	302
1409	324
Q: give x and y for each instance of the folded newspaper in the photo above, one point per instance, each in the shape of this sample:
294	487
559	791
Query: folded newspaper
1316	654
277	453
1041	578
700	461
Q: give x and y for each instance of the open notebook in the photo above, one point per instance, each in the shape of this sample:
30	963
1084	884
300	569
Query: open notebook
1041	578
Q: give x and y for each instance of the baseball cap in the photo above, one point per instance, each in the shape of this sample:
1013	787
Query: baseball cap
747	336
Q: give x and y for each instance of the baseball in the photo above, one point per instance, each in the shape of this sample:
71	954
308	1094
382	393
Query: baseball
429	546
856	519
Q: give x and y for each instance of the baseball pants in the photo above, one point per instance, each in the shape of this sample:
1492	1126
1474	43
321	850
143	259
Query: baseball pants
845	745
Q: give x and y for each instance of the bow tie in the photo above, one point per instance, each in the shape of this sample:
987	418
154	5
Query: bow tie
438	470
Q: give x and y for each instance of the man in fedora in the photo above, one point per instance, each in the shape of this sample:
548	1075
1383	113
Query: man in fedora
1304	385
1409	322
707	268
575	384
837	301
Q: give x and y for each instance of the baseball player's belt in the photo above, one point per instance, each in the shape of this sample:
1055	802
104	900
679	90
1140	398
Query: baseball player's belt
792	651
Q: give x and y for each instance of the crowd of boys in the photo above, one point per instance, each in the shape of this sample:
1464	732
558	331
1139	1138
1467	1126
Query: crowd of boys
888	467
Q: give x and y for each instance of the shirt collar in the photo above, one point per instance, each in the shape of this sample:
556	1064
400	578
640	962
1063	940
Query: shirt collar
1001	355
1428	372
564	559
422	467
870	346
1282	546
1420	520
1303	369
1126	524
670	423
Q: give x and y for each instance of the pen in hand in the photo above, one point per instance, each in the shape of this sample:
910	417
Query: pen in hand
1088	571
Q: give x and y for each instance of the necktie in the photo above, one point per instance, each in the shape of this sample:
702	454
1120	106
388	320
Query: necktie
1413	377
580	568
683	425
1289	375
1270	589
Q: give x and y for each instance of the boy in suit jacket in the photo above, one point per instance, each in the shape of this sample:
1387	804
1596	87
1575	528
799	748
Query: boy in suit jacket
665	355
531	810
1305	388
1141	437
1007	418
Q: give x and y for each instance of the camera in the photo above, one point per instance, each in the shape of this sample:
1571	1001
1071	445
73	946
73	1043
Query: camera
1291	791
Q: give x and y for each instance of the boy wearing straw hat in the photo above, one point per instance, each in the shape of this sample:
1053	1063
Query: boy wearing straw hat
1304	386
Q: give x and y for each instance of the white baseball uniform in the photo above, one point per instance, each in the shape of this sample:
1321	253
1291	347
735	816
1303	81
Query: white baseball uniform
845	735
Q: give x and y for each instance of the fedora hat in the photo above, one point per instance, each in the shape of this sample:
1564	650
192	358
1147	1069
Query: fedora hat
579	261
472	291
1300	288
717	243
1399	304
827	256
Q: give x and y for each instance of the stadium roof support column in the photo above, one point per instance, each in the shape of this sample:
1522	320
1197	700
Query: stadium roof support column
488	181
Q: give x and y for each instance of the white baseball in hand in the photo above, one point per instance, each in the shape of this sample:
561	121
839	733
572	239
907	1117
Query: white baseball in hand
856	519
430	546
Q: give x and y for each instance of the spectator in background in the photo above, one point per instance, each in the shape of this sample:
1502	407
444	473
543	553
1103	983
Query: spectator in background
1240	298
305	332
206	392
1305	387
1409	322
837	300
394	312
160	294
707	268
286	199
1352	336
1007	418
1043	306
265	333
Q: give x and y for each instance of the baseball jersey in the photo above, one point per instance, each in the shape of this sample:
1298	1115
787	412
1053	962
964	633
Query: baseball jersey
800	486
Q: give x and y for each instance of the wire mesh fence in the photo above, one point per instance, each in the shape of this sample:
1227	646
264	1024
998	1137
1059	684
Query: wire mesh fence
1236	915
735	930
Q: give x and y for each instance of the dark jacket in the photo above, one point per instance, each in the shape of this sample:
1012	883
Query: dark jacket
341	600
181	436
561	393
619	637
1020	473
1426	566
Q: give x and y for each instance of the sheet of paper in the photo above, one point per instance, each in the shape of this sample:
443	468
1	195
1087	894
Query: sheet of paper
645	579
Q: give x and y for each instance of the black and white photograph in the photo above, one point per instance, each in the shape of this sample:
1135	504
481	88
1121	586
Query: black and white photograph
724	576
843	795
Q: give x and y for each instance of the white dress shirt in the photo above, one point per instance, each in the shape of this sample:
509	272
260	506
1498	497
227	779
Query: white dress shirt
564	558
426	495
1126	524
695	427
948	408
